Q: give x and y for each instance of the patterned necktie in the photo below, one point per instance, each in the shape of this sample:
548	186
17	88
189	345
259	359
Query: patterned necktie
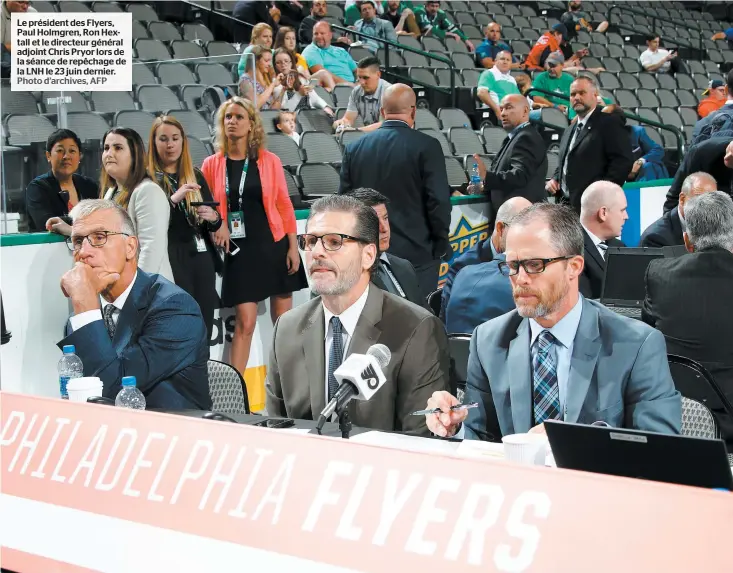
388	279
336	356
109	311
544	371
602	248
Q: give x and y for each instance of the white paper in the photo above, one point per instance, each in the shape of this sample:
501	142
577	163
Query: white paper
403	442
477	449
295	430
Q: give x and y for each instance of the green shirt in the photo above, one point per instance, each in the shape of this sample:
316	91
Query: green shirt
440	23
498	84
559	85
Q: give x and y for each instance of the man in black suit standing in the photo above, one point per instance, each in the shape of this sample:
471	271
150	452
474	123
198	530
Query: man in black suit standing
594	148
668	229
715	157
519	169
688	298
602	215
408	167
393	274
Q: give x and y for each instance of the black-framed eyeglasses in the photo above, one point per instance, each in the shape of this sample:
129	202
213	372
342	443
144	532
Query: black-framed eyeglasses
530	266
330	241
96	239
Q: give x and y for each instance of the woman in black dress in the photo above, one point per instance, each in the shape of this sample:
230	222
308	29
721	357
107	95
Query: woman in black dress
259	230
190	248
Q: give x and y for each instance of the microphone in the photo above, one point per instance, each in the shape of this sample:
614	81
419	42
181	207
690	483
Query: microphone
360	377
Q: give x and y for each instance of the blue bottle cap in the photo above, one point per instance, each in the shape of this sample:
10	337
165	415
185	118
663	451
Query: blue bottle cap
69	349
129	381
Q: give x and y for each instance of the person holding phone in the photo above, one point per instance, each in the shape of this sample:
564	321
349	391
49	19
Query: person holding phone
659	60
190	246
294	95
258	82
249	183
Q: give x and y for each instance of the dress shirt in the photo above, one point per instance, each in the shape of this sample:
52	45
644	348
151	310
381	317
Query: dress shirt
596	242
79	320
564	332
514	131
348	319
578	128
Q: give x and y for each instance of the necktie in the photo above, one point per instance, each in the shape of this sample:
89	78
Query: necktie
546	392
336	356
602	248
109	311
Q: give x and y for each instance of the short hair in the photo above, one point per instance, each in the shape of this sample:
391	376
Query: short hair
367	222
590	79
368	196
729	82
651	37
598	194
566	233
86	207
368	62
60	135
709	219
695	178
507	212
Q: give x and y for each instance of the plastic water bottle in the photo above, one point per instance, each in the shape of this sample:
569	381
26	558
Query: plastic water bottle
475	186
130	396
70	367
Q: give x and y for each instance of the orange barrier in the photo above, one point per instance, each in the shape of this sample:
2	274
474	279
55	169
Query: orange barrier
204	490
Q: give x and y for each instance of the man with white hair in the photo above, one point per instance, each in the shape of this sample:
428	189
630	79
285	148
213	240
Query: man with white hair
602	215
667	230
688	297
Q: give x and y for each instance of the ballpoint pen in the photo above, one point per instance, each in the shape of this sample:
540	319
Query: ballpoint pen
455	408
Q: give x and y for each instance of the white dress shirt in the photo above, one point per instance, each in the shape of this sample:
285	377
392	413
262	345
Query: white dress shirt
578	128
348	319
79	320
597	242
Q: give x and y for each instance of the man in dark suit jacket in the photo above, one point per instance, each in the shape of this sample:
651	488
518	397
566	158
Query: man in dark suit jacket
688	297
714	157
393	274
149	328
408	167
596	147
667	230
602	216
519	169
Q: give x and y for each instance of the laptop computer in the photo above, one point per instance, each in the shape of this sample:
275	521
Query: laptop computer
645	455
623	282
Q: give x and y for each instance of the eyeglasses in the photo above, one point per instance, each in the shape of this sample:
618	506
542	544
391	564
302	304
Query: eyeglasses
330	241
96	239
530	266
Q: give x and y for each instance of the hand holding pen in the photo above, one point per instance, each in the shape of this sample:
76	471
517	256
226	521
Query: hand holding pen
447	414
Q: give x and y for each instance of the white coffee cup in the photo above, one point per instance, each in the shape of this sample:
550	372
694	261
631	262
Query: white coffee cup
80	389
529	449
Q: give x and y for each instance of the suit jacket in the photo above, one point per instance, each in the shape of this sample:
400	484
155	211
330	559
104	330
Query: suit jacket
405	274
619	374
688	300
480	293
296	375
519	169
591	281
43	198
707	157
481	252
602	151
664	232
160	337
408	167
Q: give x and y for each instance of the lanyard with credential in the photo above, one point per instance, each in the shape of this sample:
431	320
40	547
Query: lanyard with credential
241	181
397	285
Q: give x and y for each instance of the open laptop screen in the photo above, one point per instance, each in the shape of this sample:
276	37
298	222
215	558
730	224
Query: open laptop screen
623	282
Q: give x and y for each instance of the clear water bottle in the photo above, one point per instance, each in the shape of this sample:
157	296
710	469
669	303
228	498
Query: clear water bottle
475	187
70	367
130	396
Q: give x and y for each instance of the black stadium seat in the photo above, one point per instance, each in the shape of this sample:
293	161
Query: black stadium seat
317	147
318	179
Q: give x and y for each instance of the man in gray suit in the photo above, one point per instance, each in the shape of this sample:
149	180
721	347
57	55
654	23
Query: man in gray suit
559	355
311	341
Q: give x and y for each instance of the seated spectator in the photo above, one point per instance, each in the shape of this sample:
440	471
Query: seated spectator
352	11
319	10
6	49
322	55
659	60
575	20
688	297
491	46
668	230
264	75
554	80
285	61
547	43
727	35
149	328
718	123
401	17
285	123
434	22
602	216
292	95
50	197
497	82
366	98
524	83
481	292
370	24
648	154
292	13
285	39
261	36
717	94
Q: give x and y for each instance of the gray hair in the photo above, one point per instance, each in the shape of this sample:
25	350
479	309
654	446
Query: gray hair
566	233
709	219
697	179
590	79
597	195
510	208
88	206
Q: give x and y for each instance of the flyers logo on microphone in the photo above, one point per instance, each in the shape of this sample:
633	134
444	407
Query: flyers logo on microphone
370	376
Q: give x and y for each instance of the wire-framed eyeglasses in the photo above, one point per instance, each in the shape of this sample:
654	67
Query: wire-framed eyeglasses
96	239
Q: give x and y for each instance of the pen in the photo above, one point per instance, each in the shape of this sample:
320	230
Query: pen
455	408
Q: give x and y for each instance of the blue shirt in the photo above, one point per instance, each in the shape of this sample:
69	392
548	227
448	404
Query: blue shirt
564	332
490	49
336	60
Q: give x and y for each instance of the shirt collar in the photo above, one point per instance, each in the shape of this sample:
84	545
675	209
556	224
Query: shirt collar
383	257
584	121
593	238
514	131
499	75
565	329
119	302
349	317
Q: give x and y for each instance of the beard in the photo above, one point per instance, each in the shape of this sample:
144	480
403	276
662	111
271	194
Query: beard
547	303
345	279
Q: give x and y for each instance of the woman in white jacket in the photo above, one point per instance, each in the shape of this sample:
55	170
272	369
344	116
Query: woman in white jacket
125	181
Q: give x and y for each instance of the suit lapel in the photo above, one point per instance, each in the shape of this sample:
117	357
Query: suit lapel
136	303
497	160
676	222
520	376
593	251
313	338
586	348
366	332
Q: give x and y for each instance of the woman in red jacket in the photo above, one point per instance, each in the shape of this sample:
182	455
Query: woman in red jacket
259	234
